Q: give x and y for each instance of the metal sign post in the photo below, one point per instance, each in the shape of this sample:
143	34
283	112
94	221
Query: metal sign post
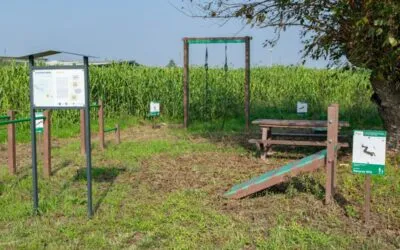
369	155
64	87
88	143
33	138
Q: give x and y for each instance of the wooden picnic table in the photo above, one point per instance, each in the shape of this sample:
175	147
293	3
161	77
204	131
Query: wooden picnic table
266	126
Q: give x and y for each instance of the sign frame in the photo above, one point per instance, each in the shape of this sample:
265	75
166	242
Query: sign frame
370	167
86	108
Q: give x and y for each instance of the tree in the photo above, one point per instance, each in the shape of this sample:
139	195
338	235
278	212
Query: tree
365	32
171	64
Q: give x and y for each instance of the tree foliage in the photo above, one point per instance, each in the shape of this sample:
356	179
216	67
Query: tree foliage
171	64
366	32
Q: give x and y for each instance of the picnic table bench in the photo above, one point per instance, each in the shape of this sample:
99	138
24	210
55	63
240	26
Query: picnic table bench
267	141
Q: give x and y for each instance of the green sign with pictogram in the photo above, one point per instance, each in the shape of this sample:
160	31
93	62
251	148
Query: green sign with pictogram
154	108
369	152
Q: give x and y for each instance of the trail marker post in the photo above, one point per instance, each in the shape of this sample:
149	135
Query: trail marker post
11	147
302	108
369	156
154	111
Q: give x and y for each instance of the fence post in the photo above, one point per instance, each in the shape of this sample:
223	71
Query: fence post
101	124
118	134
83	147
47	143
336	141
333	127
12	165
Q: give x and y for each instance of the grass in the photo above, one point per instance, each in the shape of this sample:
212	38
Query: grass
162	188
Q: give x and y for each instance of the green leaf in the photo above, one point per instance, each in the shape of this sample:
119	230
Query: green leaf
379	22
393	41
379	31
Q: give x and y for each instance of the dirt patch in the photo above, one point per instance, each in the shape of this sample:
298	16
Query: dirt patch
216	172
145	133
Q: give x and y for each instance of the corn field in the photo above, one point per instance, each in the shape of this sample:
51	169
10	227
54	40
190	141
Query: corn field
128	90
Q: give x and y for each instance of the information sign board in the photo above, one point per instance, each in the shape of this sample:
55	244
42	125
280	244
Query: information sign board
58	88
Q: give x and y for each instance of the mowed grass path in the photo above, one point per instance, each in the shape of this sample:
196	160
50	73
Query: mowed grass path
162	188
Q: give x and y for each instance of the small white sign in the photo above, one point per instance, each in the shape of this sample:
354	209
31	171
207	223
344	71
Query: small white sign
302	107
58	88
369	151
154	108
39	123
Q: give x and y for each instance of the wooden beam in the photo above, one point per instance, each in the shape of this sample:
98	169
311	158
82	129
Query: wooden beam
185	84
82	118
333	128
101	124
247	84
118	134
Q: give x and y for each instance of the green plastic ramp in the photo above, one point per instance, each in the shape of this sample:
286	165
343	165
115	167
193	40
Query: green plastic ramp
307	164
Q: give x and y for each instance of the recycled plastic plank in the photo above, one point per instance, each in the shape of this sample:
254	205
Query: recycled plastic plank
273	177
273	123
295	143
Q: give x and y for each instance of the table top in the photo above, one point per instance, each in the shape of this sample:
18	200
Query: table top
296	123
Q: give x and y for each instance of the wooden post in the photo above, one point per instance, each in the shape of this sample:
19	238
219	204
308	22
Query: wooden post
367	204
247	84
336	141
12	164
185	83
47	143
265	135
118	134
333	127
101	125
83	147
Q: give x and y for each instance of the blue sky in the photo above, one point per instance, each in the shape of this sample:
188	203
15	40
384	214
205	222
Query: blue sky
149	32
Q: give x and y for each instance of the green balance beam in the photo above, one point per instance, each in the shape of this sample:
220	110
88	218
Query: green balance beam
276	176
110	130
21	120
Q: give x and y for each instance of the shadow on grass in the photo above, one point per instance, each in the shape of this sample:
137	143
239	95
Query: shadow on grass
105	175
301	184
63	165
